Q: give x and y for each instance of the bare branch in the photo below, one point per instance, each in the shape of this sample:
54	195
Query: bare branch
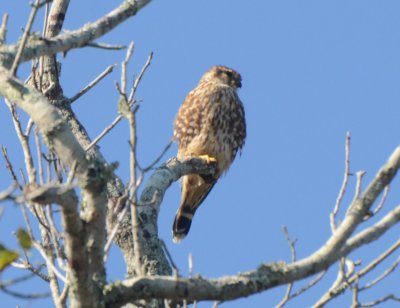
55	238
106	46
89	175
130	101
107	71
309	285
24	142
292	247
25	264
139	78
354	299
381	277
10	167
39	156
334	292
48	262
171	261
48	121
190	261
29	128
381	300
3	29
157	160
381	203
114	231
344	183
7	193
14	281
24	296
124	65
267	275
78	38
24	39
104	132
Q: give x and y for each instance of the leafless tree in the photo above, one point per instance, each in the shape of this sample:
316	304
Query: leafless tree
108	211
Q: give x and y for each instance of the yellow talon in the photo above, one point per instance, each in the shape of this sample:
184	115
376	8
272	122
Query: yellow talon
207	158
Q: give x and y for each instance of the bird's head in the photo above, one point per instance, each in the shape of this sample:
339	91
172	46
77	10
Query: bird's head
224	75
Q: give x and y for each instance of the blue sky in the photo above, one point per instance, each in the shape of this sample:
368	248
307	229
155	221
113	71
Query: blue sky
311	71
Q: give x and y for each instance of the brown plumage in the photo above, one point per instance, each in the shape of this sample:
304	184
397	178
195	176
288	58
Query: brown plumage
210	122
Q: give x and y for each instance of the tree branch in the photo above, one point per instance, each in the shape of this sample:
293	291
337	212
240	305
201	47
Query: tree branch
74	39
91	175
265	276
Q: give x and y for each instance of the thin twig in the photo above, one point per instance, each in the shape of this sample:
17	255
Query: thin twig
106	46
125	110
132	193
22	205
114	231
14	281
381	300
289	288
48	164
350	267
44	2
24	142
139	78
130	104
7	193
48	261
55	238
40	217
124	64
25	296
10	167
386	273
190	261
107	71
149	167
58	168
64	294
215	304
382	202
104	132
344	183
3	29
171	261
25	264
29	127
354	289
24	39
39	156
339	288
309	285
21	172
71	174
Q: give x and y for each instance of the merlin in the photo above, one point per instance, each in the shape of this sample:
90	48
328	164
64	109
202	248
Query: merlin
211	125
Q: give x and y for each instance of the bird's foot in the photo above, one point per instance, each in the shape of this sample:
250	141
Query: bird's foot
207	158
210	160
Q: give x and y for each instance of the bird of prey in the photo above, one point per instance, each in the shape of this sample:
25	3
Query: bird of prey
211	125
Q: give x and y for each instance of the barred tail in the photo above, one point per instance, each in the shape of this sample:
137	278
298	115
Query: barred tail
194	190
181	226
